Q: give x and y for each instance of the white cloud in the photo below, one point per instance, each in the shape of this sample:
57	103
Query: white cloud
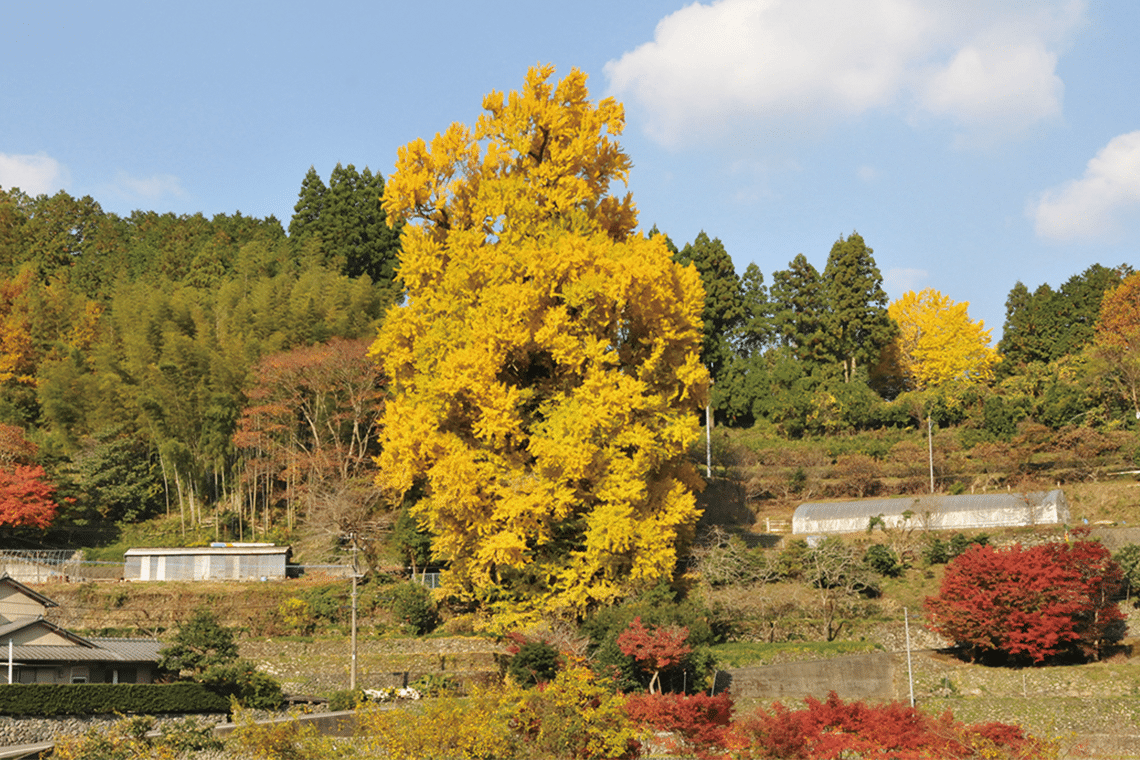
983	64
1007	85
34	175
900	280
1099	204
150	188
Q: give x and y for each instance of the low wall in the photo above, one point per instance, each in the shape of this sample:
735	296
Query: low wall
18	731
861	676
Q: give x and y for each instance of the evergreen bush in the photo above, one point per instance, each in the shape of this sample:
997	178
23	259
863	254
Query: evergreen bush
103	698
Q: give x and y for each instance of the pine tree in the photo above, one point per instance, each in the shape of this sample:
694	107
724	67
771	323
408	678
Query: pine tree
798	309
310	203
349	221
857	324
724	299
756	331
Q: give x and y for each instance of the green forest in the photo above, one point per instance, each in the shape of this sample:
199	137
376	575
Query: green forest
216	369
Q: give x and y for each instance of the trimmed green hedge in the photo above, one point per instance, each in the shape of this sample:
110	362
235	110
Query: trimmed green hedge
104	698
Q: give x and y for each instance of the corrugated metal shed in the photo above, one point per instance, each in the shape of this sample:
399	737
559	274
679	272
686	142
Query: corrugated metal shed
228	562
933	512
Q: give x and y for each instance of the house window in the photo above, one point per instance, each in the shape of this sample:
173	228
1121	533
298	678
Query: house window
80	674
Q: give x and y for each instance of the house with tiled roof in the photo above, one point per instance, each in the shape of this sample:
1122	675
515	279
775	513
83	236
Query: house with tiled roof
36	650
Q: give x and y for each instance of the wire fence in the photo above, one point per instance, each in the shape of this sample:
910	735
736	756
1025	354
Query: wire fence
68	566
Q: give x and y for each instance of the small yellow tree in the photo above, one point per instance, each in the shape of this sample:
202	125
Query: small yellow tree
545	370
937	342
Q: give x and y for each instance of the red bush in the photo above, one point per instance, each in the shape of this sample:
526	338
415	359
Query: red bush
834	729
700	722
1036	603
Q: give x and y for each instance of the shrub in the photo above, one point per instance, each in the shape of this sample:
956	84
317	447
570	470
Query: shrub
326	603
130	738
883	561
580	717
535	662
243	681
297	615
475	727
835	729
412	606
937	552
278	740
1030	603
103	698
959	542
699	723
345	699
791	561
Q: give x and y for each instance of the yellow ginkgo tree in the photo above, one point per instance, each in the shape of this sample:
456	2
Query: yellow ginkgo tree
937	343
544	370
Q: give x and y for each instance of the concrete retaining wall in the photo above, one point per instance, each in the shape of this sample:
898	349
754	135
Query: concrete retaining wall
863	676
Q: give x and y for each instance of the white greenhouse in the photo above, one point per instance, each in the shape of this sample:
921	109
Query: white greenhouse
217	562
935	512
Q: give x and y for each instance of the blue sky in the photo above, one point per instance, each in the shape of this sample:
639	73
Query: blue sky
972	143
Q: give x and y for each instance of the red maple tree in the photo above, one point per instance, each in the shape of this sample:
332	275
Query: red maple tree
659	647
1036	602
834	729
696	723
26	496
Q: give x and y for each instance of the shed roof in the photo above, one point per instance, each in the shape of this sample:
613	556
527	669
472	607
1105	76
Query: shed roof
940	509
926	503
201	550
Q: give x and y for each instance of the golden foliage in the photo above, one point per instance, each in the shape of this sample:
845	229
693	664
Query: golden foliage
937	343
1116	347
287	739
576	717
39	322
545	370
475	727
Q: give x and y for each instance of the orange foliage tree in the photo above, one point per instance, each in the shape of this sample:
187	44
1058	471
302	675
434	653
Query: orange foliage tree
27	497
308	434
659	647
1116	343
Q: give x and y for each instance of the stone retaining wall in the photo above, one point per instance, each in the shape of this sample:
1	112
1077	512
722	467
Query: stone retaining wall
15	731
